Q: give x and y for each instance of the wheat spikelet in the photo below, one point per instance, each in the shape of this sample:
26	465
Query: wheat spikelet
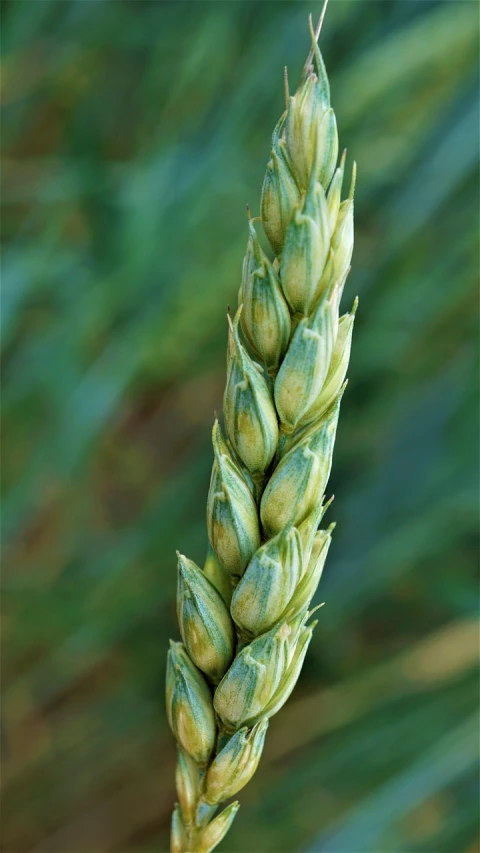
244	618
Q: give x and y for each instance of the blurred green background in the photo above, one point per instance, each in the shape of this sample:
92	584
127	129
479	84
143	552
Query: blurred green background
133	134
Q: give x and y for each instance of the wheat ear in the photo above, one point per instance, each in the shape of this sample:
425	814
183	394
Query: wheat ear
244	617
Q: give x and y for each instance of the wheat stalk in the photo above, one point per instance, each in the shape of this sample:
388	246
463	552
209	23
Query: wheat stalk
244	617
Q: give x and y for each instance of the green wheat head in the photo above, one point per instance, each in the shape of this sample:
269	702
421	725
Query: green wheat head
244	618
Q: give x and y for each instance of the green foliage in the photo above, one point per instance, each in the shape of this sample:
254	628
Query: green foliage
133	135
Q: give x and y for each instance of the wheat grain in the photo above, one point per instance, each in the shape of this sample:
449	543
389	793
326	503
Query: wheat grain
243	618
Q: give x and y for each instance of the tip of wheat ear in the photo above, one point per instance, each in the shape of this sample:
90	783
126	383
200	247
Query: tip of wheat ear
315	35
243	617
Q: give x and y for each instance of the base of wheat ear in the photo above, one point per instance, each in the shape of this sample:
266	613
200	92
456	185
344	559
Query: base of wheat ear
244	617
